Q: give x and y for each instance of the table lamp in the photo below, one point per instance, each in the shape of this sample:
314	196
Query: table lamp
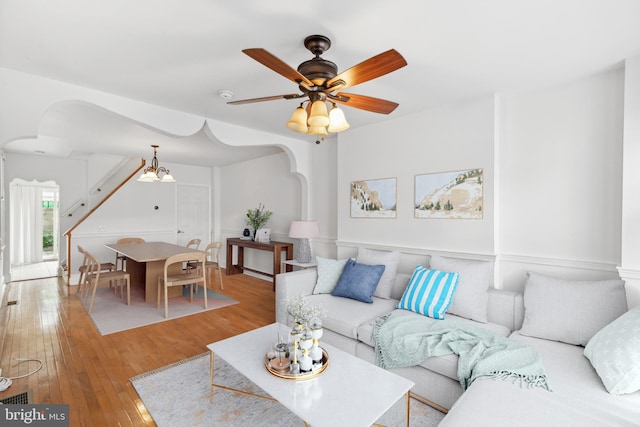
304	230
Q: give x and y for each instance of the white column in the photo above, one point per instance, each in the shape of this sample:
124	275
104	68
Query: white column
630	266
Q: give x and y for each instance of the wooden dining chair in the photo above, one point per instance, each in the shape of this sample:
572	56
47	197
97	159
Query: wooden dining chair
121	258
95	278
105	266
194	243
194	276
212	252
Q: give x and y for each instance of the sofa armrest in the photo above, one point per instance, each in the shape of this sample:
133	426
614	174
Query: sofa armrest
505	308
290	285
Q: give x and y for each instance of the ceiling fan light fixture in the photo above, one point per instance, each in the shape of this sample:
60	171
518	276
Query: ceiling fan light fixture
318	115
338	123
298	121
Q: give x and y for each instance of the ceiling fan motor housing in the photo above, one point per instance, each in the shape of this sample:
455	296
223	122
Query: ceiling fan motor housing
318	70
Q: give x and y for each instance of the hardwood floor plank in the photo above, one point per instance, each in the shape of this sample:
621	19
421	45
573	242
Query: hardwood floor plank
91	372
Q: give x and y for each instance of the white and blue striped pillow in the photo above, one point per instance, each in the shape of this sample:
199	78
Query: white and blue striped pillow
429	292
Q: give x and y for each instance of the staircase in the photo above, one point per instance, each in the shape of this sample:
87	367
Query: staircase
96	196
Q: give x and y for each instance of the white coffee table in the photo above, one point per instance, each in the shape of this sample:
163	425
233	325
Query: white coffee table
349	392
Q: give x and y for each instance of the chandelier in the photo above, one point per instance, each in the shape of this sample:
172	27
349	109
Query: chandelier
315	119
152	173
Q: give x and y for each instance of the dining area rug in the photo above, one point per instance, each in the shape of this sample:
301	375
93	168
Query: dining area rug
110	314
179	394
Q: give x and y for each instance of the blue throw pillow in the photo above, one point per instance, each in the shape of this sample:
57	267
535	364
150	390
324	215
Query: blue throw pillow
358	281
429	292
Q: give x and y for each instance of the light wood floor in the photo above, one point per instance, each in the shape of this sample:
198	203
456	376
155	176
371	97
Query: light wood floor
91	372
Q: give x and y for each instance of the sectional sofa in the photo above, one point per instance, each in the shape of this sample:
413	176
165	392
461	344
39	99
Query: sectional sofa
556	317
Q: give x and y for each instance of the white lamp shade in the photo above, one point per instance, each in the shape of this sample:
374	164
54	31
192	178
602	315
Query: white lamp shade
318	130
167	178
148	177
304	229
338	122
318	115
298	121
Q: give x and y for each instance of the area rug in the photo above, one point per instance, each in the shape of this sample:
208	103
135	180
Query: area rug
178	394
111	314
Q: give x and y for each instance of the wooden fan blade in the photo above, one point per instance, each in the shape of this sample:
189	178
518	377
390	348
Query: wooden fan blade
266	98
368	103
271	61
370	69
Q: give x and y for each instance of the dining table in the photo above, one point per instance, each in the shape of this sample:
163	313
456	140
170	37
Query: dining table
145	263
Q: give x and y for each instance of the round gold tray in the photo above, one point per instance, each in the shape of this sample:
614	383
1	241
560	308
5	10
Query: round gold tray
301	375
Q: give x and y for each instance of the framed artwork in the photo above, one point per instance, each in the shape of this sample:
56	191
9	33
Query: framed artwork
456	194
374	198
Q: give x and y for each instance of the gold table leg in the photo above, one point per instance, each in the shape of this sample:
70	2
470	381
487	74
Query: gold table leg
408	401
212	384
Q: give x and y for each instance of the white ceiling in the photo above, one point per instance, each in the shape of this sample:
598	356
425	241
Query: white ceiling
179	54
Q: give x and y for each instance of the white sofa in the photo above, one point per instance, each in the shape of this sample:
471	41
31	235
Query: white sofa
578	396
349	326
596	385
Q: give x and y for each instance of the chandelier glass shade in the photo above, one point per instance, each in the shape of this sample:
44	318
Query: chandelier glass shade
152	173
318	121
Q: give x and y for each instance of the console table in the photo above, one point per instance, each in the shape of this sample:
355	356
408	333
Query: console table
275	247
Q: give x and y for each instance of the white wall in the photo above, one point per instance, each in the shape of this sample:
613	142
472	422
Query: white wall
247	184
561	180
323	195
440	140
553	180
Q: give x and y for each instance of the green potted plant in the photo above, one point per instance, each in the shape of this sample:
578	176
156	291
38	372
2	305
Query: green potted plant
257	218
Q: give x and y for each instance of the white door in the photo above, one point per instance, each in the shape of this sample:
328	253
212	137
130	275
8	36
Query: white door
194	214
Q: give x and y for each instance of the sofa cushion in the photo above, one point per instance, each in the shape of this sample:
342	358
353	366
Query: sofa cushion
429	292
614	353
344	315
329	271
358	281
444	365
570	311
471	297
389	260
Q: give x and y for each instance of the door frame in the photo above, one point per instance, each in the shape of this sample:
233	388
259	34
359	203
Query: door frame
207	237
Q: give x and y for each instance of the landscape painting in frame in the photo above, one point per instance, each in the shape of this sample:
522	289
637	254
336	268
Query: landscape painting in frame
456	194
375	198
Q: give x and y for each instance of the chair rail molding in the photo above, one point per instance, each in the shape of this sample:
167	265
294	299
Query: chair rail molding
610	267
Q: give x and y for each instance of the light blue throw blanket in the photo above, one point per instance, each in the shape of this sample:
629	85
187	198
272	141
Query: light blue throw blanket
407	340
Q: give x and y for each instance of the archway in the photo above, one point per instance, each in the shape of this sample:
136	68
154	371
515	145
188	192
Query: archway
34	229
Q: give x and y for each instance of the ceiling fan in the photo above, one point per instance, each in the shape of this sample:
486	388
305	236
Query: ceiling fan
319	81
